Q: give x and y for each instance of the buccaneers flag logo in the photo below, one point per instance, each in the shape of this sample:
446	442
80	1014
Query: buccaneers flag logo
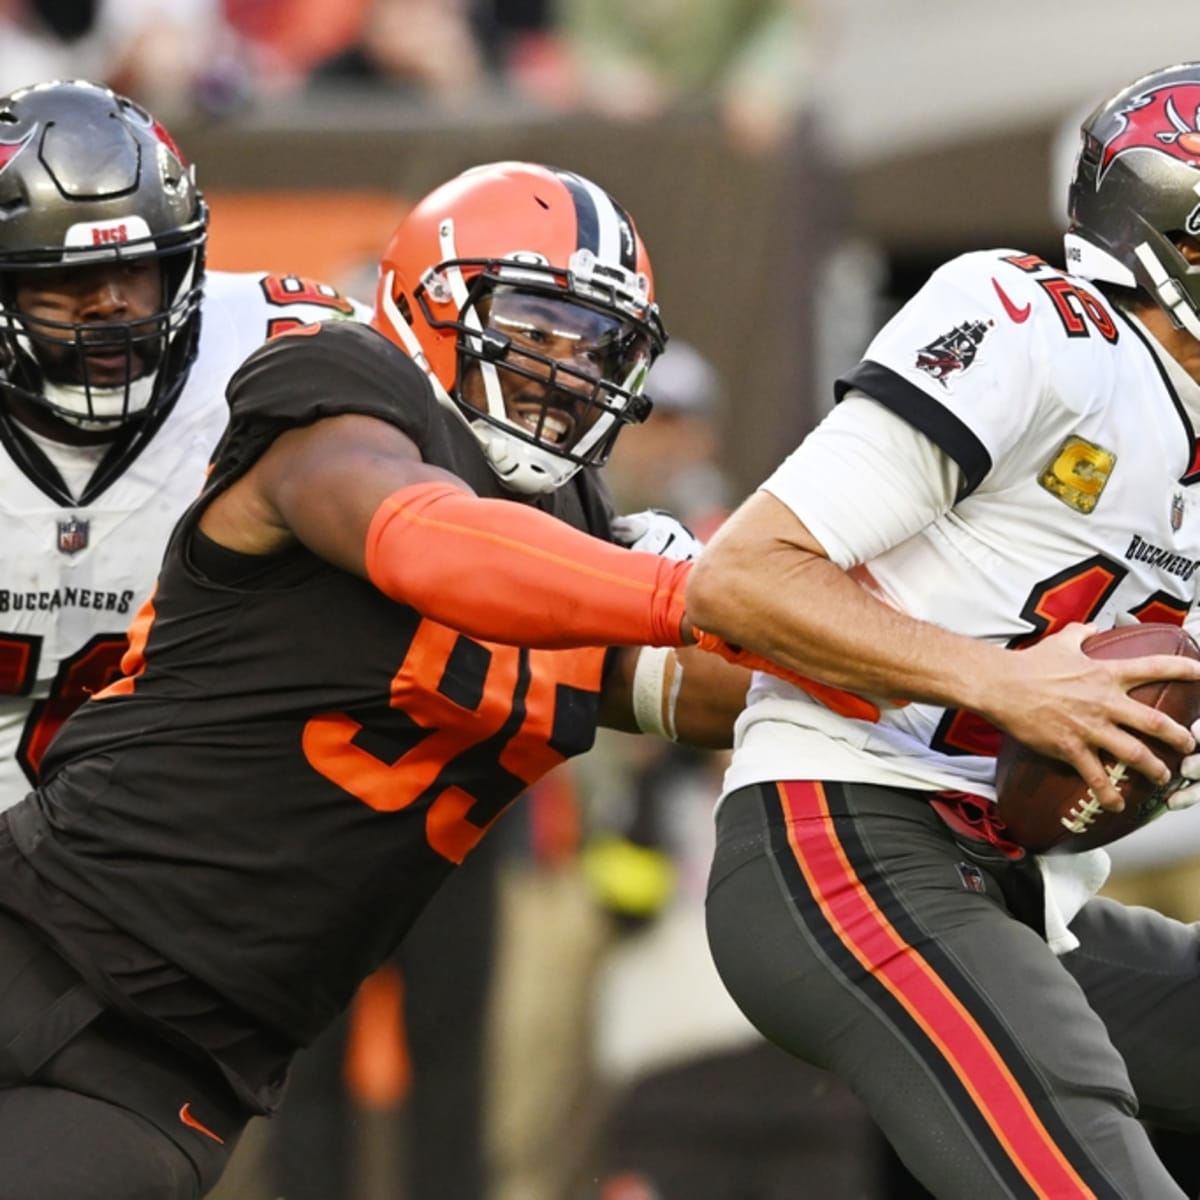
10	150
953	351
1165	119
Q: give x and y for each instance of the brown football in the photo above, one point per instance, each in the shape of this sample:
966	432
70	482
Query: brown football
1044	803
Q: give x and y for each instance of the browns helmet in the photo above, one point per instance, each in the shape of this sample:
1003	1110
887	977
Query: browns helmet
509	236
1135	193
87	177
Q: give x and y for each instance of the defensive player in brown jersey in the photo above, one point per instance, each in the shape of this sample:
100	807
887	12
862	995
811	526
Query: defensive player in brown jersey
385	616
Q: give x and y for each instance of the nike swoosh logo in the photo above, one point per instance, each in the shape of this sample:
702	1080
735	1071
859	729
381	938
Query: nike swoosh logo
1018	315
185	1115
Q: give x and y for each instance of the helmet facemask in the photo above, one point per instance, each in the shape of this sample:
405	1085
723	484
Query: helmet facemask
100	375
550	368
89	181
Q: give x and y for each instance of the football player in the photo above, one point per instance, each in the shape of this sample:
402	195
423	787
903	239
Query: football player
384	616
1013	464
115	349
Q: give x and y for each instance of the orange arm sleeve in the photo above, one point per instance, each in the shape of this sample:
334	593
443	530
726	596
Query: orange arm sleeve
846	703
503	572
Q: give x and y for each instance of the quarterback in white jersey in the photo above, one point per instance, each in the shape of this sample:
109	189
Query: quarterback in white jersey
980	437
1012	465
115	349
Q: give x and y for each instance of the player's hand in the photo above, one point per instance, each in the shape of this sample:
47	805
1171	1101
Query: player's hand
656	531
1189	793
1061	702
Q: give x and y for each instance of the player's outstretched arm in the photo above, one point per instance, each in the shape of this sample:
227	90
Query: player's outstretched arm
689	695
682	694
355	490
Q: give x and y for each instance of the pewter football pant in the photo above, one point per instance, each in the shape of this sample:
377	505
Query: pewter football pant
855	931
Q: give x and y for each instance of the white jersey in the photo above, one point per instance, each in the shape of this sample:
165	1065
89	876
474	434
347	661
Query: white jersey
1027	457
72	575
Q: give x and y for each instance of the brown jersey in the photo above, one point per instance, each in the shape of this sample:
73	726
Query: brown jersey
295	762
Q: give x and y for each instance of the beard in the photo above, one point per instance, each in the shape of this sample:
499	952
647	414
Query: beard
98	358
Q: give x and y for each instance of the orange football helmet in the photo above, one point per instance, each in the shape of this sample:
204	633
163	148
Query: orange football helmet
487	283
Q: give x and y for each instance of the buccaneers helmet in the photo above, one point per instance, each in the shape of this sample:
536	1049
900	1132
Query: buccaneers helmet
500	260
1135	192
87	177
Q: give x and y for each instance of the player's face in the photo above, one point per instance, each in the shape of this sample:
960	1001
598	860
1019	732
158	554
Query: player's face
588	347
53	303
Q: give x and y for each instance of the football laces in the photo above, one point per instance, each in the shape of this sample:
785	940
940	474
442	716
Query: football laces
1082	813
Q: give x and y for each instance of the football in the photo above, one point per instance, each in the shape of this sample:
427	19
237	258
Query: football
1044	803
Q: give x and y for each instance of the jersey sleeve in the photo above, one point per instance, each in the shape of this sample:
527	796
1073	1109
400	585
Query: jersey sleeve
960	361
865	480
321	371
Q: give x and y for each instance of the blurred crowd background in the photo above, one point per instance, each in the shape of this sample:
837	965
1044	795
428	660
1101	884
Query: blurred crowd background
554	1031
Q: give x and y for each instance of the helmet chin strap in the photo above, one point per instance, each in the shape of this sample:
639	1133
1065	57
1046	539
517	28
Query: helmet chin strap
1169	292
98	409
521	466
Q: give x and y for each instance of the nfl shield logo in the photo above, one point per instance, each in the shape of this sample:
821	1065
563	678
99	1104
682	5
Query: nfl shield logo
972	878
1176	512
72	535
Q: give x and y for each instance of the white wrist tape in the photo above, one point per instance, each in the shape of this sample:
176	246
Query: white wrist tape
654	695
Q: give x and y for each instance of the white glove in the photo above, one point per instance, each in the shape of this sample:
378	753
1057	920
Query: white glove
655	531
1189	793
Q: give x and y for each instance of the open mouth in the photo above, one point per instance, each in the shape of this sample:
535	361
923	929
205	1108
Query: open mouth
551	425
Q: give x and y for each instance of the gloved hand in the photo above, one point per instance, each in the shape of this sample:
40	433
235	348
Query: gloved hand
1189	793
656	531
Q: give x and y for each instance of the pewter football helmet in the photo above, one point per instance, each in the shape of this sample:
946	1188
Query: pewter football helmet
1136	192
87	177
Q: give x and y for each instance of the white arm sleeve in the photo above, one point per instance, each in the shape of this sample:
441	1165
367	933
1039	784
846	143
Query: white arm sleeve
865	480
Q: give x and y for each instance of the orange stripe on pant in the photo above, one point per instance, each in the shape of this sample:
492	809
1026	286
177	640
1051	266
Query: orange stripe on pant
874	941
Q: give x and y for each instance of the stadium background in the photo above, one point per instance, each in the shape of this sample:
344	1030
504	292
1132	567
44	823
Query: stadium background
931	128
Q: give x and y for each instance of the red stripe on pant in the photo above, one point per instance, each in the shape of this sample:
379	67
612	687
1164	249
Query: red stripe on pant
874	941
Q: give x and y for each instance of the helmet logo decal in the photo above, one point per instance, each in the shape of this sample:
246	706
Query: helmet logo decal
168	141
1164	119
10	150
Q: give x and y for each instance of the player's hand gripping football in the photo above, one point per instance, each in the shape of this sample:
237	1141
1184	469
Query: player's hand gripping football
1060	702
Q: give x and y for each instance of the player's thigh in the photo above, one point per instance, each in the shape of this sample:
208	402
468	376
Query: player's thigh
862	938
877	908
1141	974
56	1143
